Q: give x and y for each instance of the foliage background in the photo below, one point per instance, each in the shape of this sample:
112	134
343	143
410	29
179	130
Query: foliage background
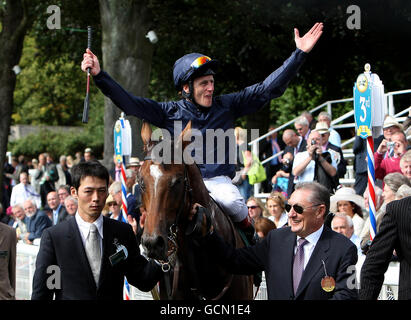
250	38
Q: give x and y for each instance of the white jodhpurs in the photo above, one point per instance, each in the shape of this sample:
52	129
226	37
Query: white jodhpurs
227	196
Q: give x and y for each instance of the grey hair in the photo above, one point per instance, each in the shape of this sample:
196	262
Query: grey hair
395	180
129	173
306	113
70	198
403	192
65	187
18	205
406	157
324	114
115	187
33	202
302	121
289	133
319	194
344	216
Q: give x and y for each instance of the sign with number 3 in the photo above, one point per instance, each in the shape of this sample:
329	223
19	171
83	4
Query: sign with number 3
362	106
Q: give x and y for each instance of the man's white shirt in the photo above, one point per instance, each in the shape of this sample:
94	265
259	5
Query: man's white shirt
21	193
308	174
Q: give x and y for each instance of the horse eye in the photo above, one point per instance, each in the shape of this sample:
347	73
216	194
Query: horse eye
175	182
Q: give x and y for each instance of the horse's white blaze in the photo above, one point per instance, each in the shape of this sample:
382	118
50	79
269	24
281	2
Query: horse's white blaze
156	174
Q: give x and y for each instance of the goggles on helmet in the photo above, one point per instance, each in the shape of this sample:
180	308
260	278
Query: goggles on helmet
197	63
190	66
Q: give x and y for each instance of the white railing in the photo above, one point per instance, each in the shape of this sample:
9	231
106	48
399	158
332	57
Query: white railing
336	124
25	265
26	260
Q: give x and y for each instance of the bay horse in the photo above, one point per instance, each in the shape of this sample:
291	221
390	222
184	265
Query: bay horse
168	193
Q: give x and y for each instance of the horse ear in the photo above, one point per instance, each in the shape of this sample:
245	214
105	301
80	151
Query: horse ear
146	134
185	137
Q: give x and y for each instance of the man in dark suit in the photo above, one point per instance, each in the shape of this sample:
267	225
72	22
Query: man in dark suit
82	248
360	165
299	259
37	223
59	211
394	234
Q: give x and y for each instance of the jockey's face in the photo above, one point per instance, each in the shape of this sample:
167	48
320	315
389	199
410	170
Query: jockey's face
203	90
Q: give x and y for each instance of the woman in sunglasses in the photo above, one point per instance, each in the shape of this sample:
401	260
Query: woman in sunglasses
193	76
256	208
113	208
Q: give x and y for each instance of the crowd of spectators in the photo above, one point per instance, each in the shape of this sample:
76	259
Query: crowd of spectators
37	194
312	152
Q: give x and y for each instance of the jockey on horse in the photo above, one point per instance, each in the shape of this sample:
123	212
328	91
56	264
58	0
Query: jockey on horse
194	77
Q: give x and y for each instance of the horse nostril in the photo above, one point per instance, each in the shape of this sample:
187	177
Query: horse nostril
159	242
154	246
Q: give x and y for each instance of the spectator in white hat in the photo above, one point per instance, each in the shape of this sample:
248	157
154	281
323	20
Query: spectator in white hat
135	164
335	137
347	201
390	127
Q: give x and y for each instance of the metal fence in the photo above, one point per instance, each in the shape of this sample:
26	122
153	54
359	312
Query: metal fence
336	124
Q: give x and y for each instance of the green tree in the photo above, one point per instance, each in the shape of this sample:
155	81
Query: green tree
48	92
16	17
66	143
126	55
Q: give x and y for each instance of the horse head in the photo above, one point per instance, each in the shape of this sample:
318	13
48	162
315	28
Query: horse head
166	196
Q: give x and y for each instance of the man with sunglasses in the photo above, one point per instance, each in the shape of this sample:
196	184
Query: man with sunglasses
304	261
193	76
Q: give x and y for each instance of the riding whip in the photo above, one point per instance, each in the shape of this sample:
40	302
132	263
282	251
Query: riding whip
86	100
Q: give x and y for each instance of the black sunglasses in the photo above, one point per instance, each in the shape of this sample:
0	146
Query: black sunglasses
297	208
252	207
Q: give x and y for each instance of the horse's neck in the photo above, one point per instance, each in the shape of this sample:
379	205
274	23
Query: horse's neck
200	192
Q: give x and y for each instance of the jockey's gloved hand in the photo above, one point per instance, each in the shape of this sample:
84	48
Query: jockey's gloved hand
200	224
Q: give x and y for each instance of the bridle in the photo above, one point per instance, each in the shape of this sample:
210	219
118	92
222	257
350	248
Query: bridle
174	228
